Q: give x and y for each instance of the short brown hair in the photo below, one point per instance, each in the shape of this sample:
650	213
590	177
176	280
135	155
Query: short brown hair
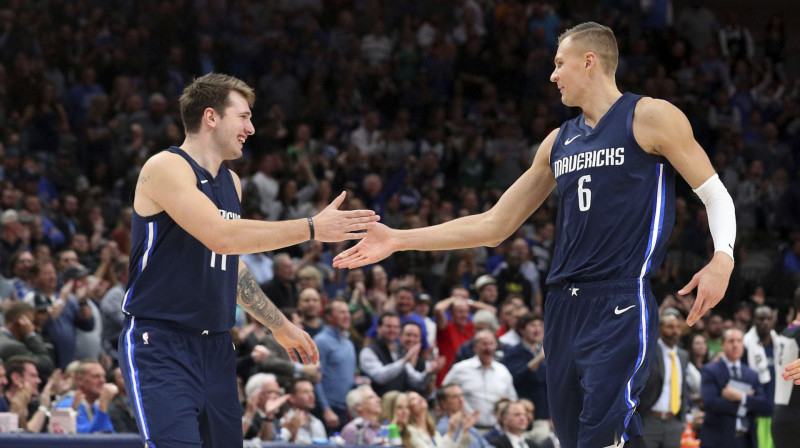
212	91
598	39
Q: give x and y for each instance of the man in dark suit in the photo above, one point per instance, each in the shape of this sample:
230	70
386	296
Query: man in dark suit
733	396
514	421
663	400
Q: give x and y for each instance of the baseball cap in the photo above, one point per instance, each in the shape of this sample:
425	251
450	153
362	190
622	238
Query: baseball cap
484	280
74	272
9	216
422	297
40	302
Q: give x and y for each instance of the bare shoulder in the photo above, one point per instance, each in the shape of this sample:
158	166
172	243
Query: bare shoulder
546	147
163	173
657	122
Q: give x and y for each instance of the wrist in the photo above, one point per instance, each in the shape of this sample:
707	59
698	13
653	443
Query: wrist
44	410
311	228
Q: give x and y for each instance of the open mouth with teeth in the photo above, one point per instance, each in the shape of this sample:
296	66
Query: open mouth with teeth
241	139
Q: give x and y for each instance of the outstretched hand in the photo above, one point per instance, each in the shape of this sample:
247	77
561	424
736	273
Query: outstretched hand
291	337
332	224
792	372
711	283
376	245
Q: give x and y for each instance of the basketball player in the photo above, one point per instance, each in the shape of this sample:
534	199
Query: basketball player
176	352
614	169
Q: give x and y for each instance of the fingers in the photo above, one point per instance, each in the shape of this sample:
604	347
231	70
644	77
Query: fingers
690	286
337	201
698	310
292	355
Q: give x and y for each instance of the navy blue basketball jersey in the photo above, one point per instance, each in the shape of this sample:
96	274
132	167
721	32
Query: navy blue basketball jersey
616	202
173	276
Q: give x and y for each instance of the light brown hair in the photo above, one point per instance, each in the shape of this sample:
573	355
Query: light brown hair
211	90
598	39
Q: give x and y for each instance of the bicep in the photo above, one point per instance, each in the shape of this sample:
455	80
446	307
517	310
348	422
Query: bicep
662	129
169	184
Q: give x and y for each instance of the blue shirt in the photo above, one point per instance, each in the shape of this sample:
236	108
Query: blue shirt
478	441
100	421
176	278
616	205
337	359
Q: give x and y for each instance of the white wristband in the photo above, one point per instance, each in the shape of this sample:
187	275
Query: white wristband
721	213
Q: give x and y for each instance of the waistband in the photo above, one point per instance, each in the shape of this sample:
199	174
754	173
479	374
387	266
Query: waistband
173	326
603	286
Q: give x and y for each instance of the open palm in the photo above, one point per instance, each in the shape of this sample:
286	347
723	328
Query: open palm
377	245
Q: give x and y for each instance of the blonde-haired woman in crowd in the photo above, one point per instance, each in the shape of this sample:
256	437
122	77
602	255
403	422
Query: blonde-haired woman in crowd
422	429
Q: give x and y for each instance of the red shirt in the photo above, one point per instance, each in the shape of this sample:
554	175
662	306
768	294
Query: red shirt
448	341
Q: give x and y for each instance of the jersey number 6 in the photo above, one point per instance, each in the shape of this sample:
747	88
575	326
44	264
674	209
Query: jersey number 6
584	194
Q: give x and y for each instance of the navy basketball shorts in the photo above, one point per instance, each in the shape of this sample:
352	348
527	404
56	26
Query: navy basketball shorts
181	383
599	341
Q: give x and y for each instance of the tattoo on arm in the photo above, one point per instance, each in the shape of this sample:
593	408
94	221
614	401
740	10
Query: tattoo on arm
253	299
144	179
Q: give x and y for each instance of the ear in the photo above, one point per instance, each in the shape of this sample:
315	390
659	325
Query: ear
210	117
590	60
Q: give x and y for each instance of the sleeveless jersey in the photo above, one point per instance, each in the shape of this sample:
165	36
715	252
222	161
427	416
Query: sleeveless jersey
172	275
616	202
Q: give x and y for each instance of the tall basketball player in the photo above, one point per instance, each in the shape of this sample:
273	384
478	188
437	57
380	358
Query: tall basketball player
176	352
614	169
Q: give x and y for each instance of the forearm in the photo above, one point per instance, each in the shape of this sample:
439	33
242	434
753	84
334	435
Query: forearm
246	236
254	301
468	231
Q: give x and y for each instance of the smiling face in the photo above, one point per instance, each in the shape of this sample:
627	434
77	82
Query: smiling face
233	126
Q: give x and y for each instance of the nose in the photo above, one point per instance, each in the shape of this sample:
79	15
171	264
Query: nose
554	76
249	129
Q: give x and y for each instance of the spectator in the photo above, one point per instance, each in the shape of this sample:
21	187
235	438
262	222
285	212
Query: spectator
663	399
111	307
282	289
760	344
452	333
298	425
486	287
21	263
483	380
119	409
451	403
337	358
395	410
264	400
309	306
731	409
387	365
18	337
93	394
422	430
526	362
404	306
514	421
23	394
365	405
10	237
482	320
67	311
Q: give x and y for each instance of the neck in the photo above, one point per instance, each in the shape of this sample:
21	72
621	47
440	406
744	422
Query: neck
199	149
371	418
600	102
732	361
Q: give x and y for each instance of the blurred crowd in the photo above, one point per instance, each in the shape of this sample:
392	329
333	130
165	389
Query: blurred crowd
422	111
